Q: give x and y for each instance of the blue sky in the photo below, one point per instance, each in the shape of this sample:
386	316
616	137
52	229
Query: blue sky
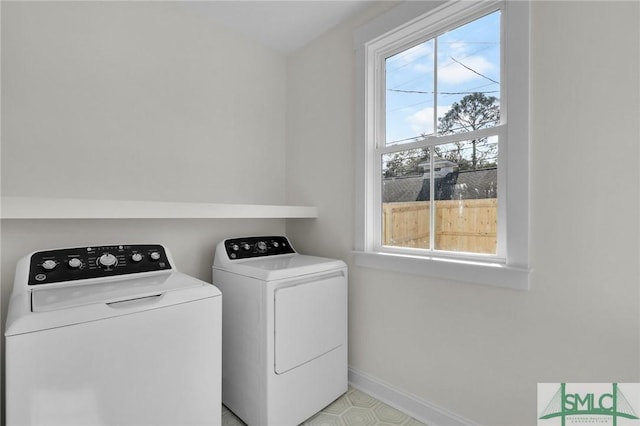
468	61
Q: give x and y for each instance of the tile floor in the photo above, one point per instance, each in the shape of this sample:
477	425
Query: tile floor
354	408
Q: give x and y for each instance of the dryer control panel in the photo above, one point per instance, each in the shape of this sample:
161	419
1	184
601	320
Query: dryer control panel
80	263
248	247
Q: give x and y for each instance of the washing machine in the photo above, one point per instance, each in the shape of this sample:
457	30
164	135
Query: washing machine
284	338
111	335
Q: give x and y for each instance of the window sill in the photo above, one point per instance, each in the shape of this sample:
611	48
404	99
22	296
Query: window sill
492	274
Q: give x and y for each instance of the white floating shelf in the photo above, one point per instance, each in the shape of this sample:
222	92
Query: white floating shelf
71	208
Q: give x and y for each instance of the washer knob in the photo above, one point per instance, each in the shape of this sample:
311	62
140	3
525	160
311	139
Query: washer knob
74	263
235	247
107	260
136	257
275	244
154	255
246	246
49	265
261	246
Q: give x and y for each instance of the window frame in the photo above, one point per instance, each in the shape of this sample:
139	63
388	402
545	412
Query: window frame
399	29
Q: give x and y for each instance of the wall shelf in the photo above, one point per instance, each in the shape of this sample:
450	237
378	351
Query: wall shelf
71	208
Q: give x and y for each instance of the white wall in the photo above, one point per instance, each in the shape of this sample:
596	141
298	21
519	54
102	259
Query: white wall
480	351
136	101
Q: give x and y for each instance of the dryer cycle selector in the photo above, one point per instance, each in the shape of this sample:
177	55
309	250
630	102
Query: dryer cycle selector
249	247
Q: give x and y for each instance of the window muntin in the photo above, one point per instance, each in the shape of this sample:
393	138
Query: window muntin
440	99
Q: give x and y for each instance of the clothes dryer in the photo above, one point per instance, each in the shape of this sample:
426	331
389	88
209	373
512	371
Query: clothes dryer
284	338
111	335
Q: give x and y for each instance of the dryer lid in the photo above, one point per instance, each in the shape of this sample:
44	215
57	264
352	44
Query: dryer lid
281	267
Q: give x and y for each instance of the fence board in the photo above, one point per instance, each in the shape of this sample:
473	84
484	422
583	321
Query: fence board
461	225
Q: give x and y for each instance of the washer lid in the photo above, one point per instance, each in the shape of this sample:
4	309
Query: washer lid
64	304
283	266
112	291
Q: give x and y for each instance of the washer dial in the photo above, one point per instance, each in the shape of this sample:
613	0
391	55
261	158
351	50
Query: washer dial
107	260
49	265
74	263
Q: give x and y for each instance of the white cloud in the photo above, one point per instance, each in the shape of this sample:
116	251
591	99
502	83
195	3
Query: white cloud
454	73
421	121
423	68
418	57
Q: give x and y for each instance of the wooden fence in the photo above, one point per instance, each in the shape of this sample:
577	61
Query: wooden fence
464	225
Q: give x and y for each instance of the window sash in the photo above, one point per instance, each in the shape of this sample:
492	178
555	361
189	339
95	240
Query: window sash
375	209
379	51
384	50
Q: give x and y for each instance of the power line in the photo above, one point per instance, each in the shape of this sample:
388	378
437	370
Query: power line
472	70
470	54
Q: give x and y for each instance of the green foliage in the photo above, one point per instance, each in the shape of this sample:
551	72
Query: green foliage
404	163
473	112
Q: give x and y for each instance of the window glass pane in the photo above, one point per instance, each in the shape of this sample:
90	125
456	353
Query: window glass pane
468	79
405	216
465	196
409	94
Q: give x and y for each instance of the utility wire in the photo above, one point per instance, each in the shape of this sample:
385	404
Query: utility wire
440	93
472	70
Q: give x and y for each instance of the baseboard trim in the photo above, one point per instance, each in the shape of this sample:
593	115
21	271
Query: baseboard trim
421	410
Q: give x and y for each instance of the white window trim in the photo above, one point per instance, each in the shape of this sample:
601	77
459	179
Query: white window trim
512	270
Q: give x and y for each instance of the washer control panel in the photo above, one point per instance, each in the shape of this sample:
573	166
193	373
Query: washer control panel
81	263
248	247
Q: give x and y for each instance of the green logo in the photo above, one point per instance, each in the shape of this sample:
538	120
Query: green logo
585	402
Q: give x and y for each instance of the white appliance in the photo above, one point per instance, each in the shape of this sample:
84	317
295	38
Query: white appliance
284	322
111	335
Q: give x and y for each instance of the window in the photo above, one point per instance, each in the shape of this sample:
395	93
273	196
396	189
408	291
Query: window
443	142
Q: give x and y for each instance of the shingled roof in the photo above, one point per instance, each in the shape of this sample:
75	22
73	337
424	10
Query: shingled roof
468	184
